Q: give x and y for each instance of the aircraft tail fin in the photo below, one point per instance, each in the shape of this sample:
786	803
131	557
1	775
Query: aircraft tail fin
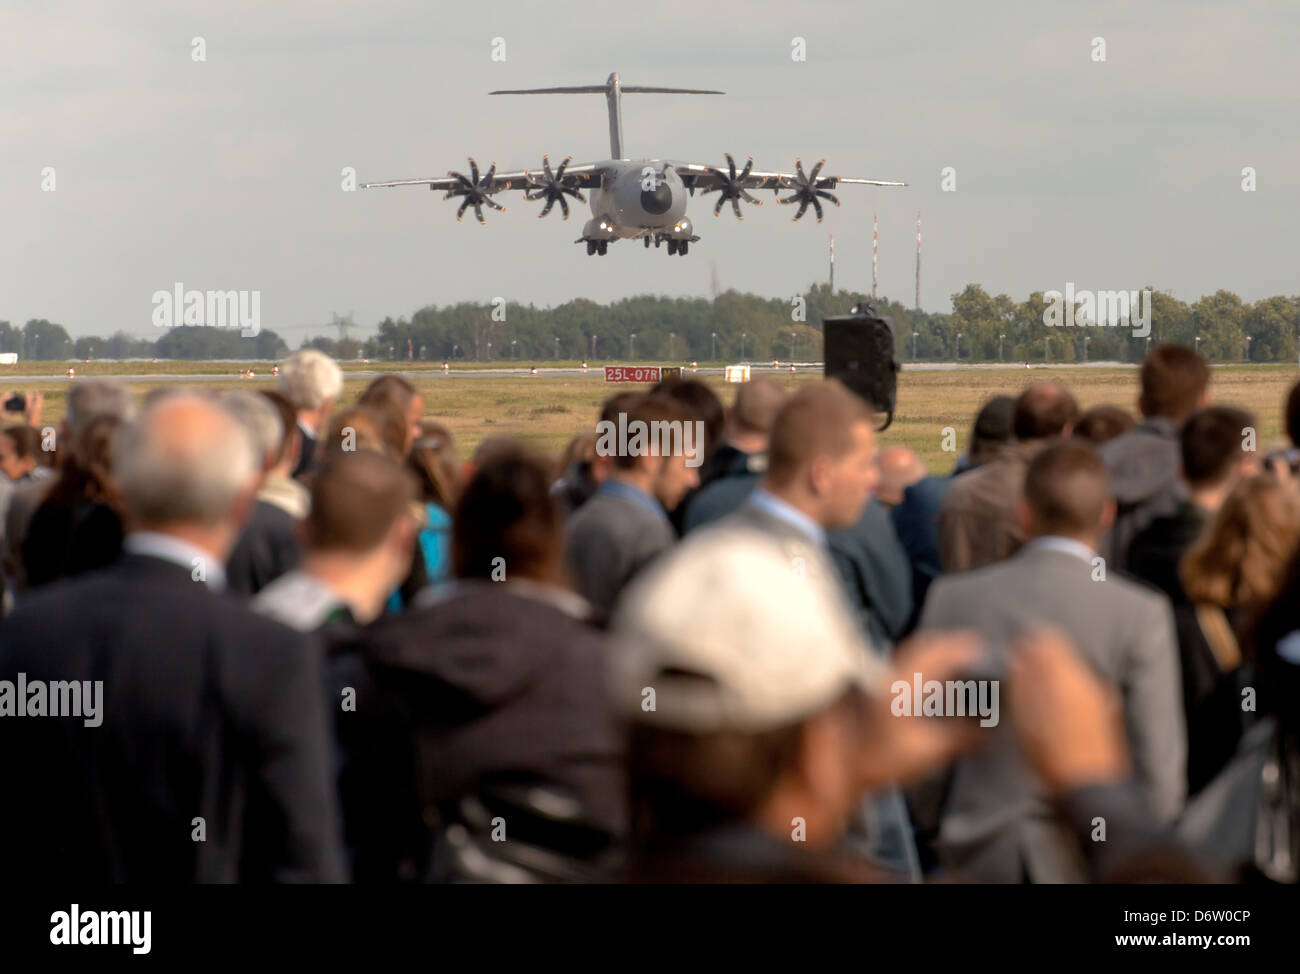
612	89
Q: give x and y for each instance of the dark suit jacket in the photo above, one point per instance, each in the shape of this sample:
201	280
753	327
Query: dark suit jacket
208	711
267	549
307	457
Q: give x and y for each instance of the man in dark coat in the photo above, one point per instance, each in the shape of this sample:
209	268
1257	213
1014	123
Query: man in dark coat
196	749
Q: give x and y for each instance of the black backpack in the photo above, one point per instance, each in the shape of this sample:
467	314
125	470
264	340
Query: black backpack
859	351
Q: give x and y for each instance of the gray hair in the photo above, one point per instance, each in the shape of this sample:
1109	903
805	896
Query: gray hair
310	378
89	399
260	418
186	459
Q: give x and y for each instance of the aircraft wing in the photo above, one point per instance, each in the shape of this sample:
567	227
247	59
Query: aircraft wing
585	176
696	176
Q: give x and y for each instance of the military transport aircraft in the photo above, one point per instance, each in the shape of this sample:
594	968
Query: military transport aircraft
633	198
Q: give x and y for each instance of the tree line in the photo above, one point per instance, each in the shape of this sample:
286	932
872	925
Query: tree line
733	326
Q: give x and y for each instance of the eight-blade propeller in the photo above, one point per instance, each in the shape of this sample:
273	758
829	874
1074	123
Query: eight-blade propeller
732	187
807	192
552	187
476	192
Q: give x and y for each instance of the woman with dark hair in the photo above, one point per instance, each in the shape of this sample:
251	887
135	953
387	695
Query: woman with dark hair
398	398
495	685
78	527
433	459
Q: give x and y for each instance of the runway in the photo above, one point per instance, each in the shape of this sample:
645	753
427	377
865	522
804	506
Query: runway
595	372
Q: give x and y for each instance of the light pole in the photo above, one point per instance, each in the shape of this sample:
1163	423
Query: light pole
672	335
1247	348
958	346
489	351
1000	337
742	346
1197	347
914	334
1086	340
631	352
593	346
512	349
792	347
557	348
713	347
422	348
1046	341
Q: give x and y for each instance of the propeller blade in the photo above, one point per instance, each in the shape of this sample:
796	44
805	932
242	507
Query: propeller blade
828	196
473	168
564	206
818	207
487	180
461	212
735	208
798	167
577	194
744	173
559	173
493	203
547	208
802	207
816	169
478	212
731	165
750	199
718	209
546	167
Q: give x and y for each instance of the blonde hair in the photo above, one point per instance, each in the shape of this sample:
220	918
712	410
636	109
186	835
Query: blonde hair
1239	560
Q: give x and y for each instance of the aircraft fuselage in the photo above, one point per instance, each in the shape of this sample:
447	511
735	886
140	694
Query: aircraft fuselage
638	198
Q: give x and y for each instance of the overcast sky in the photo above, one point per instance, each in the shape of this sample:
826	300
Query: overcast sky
226	174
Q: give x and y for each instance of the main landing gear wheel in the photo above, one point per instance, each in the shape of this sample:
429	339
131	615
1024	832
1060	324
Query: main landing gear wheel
591	247
647	242
683	247
603	246
672	247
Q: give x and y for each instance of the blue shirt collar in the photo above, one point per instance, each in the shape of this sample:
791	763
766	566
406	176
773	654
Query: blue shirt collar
620	488
168	547
784	511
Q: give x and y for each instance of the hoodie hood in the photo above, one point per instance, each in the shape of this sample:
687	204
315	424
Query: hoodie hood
482	641
1143	462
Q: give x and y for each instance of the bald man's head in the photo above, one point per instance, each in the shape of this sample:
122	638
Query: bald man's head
186	460
1043	410
899	469
757	403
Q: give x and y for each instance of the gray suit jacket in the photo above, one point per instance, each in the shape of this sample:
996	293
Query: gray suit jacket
997	824
607	541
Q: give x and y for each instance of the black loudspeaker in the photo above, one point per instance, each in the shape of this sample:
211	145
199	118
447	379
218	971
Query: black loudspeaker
859	351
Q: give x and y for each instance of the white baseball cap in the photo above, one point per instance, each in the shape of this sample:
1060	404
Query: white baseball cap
731	635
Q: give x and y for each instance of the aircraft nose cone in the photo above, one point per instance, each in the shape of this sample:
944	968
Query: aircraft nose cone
657	200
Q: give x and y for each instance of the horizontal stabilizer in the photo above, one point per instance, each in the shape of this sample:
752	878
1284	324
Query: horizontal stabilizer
570	90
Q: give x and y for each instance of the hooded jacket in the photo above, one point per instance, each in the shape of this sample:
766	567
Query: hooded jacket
1143	466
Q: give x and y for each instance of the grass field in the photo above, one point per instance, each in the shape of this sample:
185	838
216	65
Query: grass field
546	411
